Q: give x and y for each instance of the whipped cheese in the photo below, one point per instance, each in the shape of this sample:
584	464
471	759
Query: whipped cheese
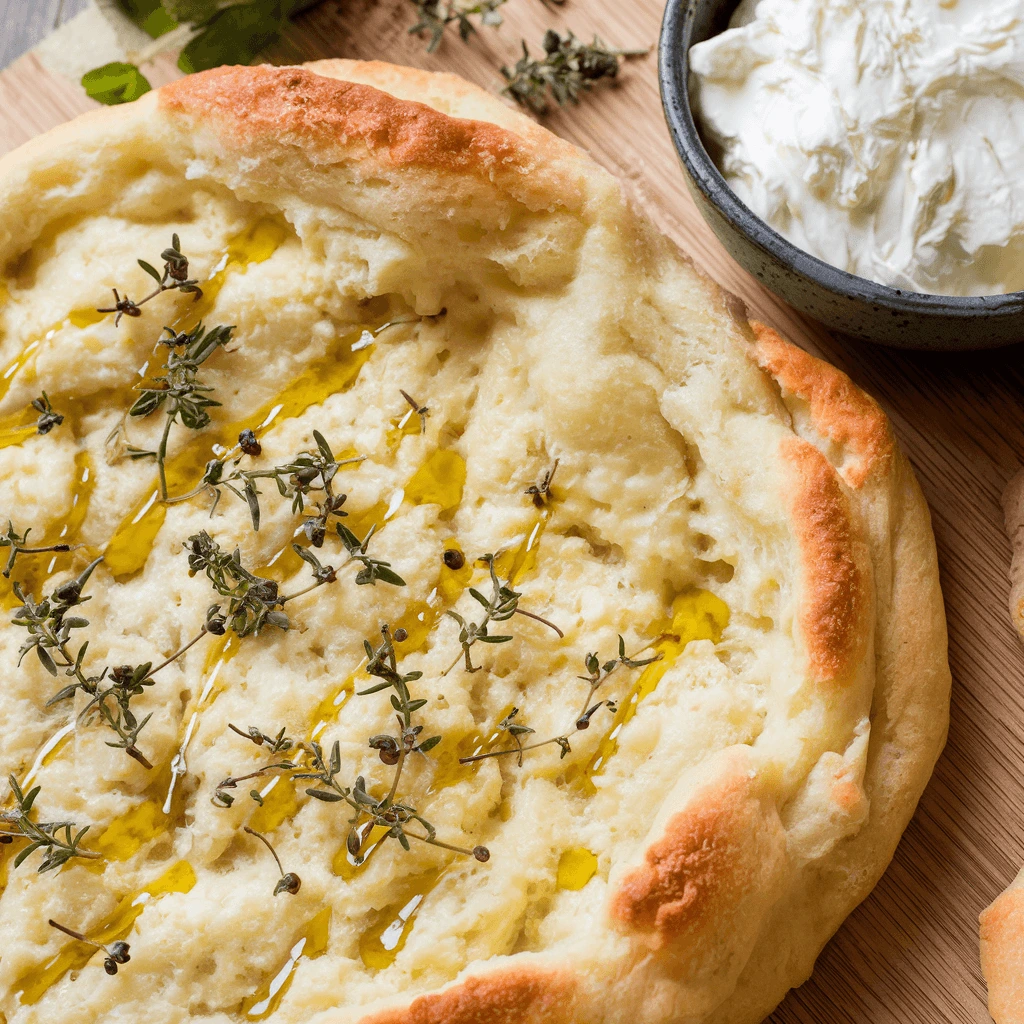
885	137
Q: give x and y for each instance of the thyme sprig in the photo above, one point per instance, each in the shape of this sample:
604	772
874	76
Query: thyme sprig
46	836
436	15
382	663
277	744
569	66
499	607
373	569
255	602
174	277
49	625
306	473
116	953
597	673
48	416
179	391
288	882
50	632
18	543
389	813
221	798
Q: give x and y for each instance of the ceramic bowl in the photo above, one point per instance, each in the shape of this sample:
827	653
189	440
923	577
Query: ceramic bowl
843	302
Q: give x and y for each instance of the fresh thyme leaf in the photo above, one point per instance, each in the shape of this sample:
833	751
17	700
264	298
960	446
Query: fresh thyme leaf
597	673
180	392
277	743
46	836
373	568
111	692
48	416
18	543
116	953
569	67
116	82
499	607
436	15
254	601
306	473
174	278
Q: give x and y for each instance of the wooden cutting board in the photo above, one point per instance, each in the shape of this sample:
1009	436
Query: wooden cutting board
909	954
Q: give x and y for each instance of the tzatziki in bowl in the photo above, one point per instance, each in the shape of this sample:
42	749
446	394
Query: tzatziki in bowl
864	160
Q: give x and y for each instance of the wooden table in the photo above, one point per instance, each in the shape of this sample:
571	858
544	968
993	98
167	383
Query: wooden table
909	954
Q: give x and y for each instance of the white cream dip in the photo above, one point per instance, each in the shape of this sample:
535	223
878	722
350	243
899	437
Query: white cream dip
885	137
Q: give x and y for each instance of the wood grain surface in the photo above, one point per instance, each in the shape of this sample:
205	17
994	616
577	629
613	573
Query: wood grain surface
909	954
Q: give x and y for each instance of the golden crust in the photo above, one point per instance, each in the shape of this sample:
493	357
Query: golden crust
1002	955
332	120
711	856
839	409
518	995
835	602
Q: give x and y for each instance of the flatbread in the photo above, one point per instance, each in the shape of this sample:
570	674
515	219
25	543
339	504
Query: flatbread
720	499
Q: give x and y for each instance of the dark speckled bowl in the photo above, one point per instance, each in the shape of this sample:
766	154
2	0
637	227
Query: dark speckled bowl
842	301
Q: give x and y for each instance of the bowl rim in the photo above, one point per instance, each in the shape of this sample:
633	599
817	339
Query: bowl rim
673	75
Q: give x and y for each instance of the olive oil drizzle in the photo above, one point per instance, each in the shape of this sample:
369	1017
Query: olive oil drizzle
576	867
311	943
128	550
449	772
31	987
696	615
439	481
380	944
254	245
35	569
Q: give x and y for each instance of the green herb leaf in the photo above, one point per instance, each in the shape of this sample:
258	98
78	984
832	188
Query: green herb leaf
234	35
149	15
115	83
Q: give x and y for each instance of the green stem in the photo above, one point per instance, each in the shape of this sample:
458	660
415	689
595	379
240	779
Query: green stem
161	455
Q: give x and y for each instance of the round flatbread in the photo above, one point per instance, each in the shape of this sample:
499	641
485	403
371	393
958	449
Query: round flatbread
564	453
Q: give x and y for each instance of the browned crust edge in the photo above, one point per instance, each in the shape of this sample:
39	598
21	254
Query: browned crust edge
1002	955
710	857
839	409
331	120
518	995
835	601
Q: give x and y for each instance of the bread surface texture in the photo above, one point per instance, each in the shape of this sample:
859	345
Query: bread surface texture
1002	923
720	500
1002	953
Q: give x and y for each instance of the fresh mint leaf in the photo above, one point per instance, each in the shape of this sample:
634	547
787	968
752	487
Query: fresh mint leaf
234	35
149	15
115	83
